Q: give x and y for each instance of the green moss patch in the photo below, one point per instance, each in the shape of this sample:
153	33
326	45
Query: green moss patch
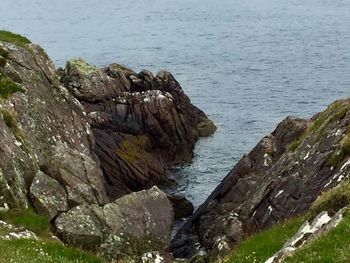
81	66
261	246
8	87
15	39
333	199
335	112
28	219
132	149
31	251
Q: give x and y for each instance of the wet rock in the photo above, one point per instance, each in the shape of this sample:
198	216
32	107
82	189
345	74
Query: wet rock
142	123
49	197
205	127
128	227
182	206
280	178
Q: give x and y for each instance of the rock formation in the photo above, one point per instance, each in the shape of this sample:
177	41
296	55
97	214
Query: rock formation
71	148
278	179
131	225
142	123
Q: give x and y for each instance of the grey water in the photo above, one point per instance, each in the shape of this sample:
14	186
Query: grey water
246	63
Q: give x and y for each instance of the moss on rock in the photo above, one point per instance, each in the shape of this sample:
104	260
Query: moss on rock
8	87
15	39
82	66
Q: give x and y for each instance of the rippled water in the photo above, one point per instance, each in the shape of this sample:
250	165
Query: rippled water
247	64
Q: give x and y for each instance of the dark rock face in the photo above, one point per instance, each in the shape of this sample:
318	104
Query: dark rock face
142	123
126	228
182	206
279	178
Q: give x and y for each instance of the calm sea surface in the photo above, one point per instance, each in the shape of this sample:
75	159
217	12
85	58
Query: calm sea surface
246	63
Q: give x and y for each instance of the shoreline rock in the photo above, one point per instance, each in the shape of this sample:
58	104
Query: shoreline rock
142	123
280	178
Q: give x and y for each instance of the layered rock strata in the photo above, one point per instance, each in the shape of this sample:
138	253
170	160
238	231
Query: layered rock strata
278	179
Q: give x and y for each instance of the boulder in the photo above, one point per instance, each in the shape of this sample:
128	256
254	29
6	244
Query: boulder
182	206
130	226
48	196
78	173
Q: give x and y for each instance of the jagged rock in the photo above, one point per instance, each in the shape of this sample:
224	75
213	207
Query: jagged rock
306	233
49	197
142	123
278	179
38	115
130	226
78	173
181	205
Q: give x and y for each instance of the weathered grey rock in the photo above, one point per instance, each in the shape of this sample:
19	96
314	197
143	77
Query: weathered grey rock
128	227
49	197
307	233
34	119
278	179
78	173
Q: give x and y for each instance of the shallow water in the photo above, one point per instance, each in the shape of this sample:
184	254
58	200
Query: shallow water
247	64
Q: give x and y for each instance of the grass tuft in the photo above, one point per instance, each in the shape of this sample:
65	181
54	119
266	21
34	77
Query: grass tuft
333	199
261	246
8	87
28	219
31	251
332	247
15	39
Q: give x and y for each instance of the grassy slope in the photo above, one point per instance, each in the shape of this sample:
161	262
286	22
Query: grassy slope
333	247
264	244
45	250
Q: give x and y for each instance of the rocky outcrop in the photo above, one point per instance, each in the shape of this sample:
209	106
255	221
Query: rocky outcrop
307	233
278	179
142	123
40	121
130	226
71	148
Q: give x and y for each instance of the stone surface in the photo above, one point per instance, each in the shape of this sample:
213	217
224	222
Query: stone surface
128	227
278	179
49	197
181	205
142	123
306	233
33	123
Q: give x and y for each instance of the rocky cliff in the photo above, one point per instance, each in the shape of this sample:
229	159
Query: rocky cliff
280	178
141	123
73	141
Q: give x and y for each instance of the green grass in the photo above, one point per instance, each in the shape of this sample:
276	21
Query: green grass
31	251
8	87
334	112
333	247
15	39
261	246
333	199
28	219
